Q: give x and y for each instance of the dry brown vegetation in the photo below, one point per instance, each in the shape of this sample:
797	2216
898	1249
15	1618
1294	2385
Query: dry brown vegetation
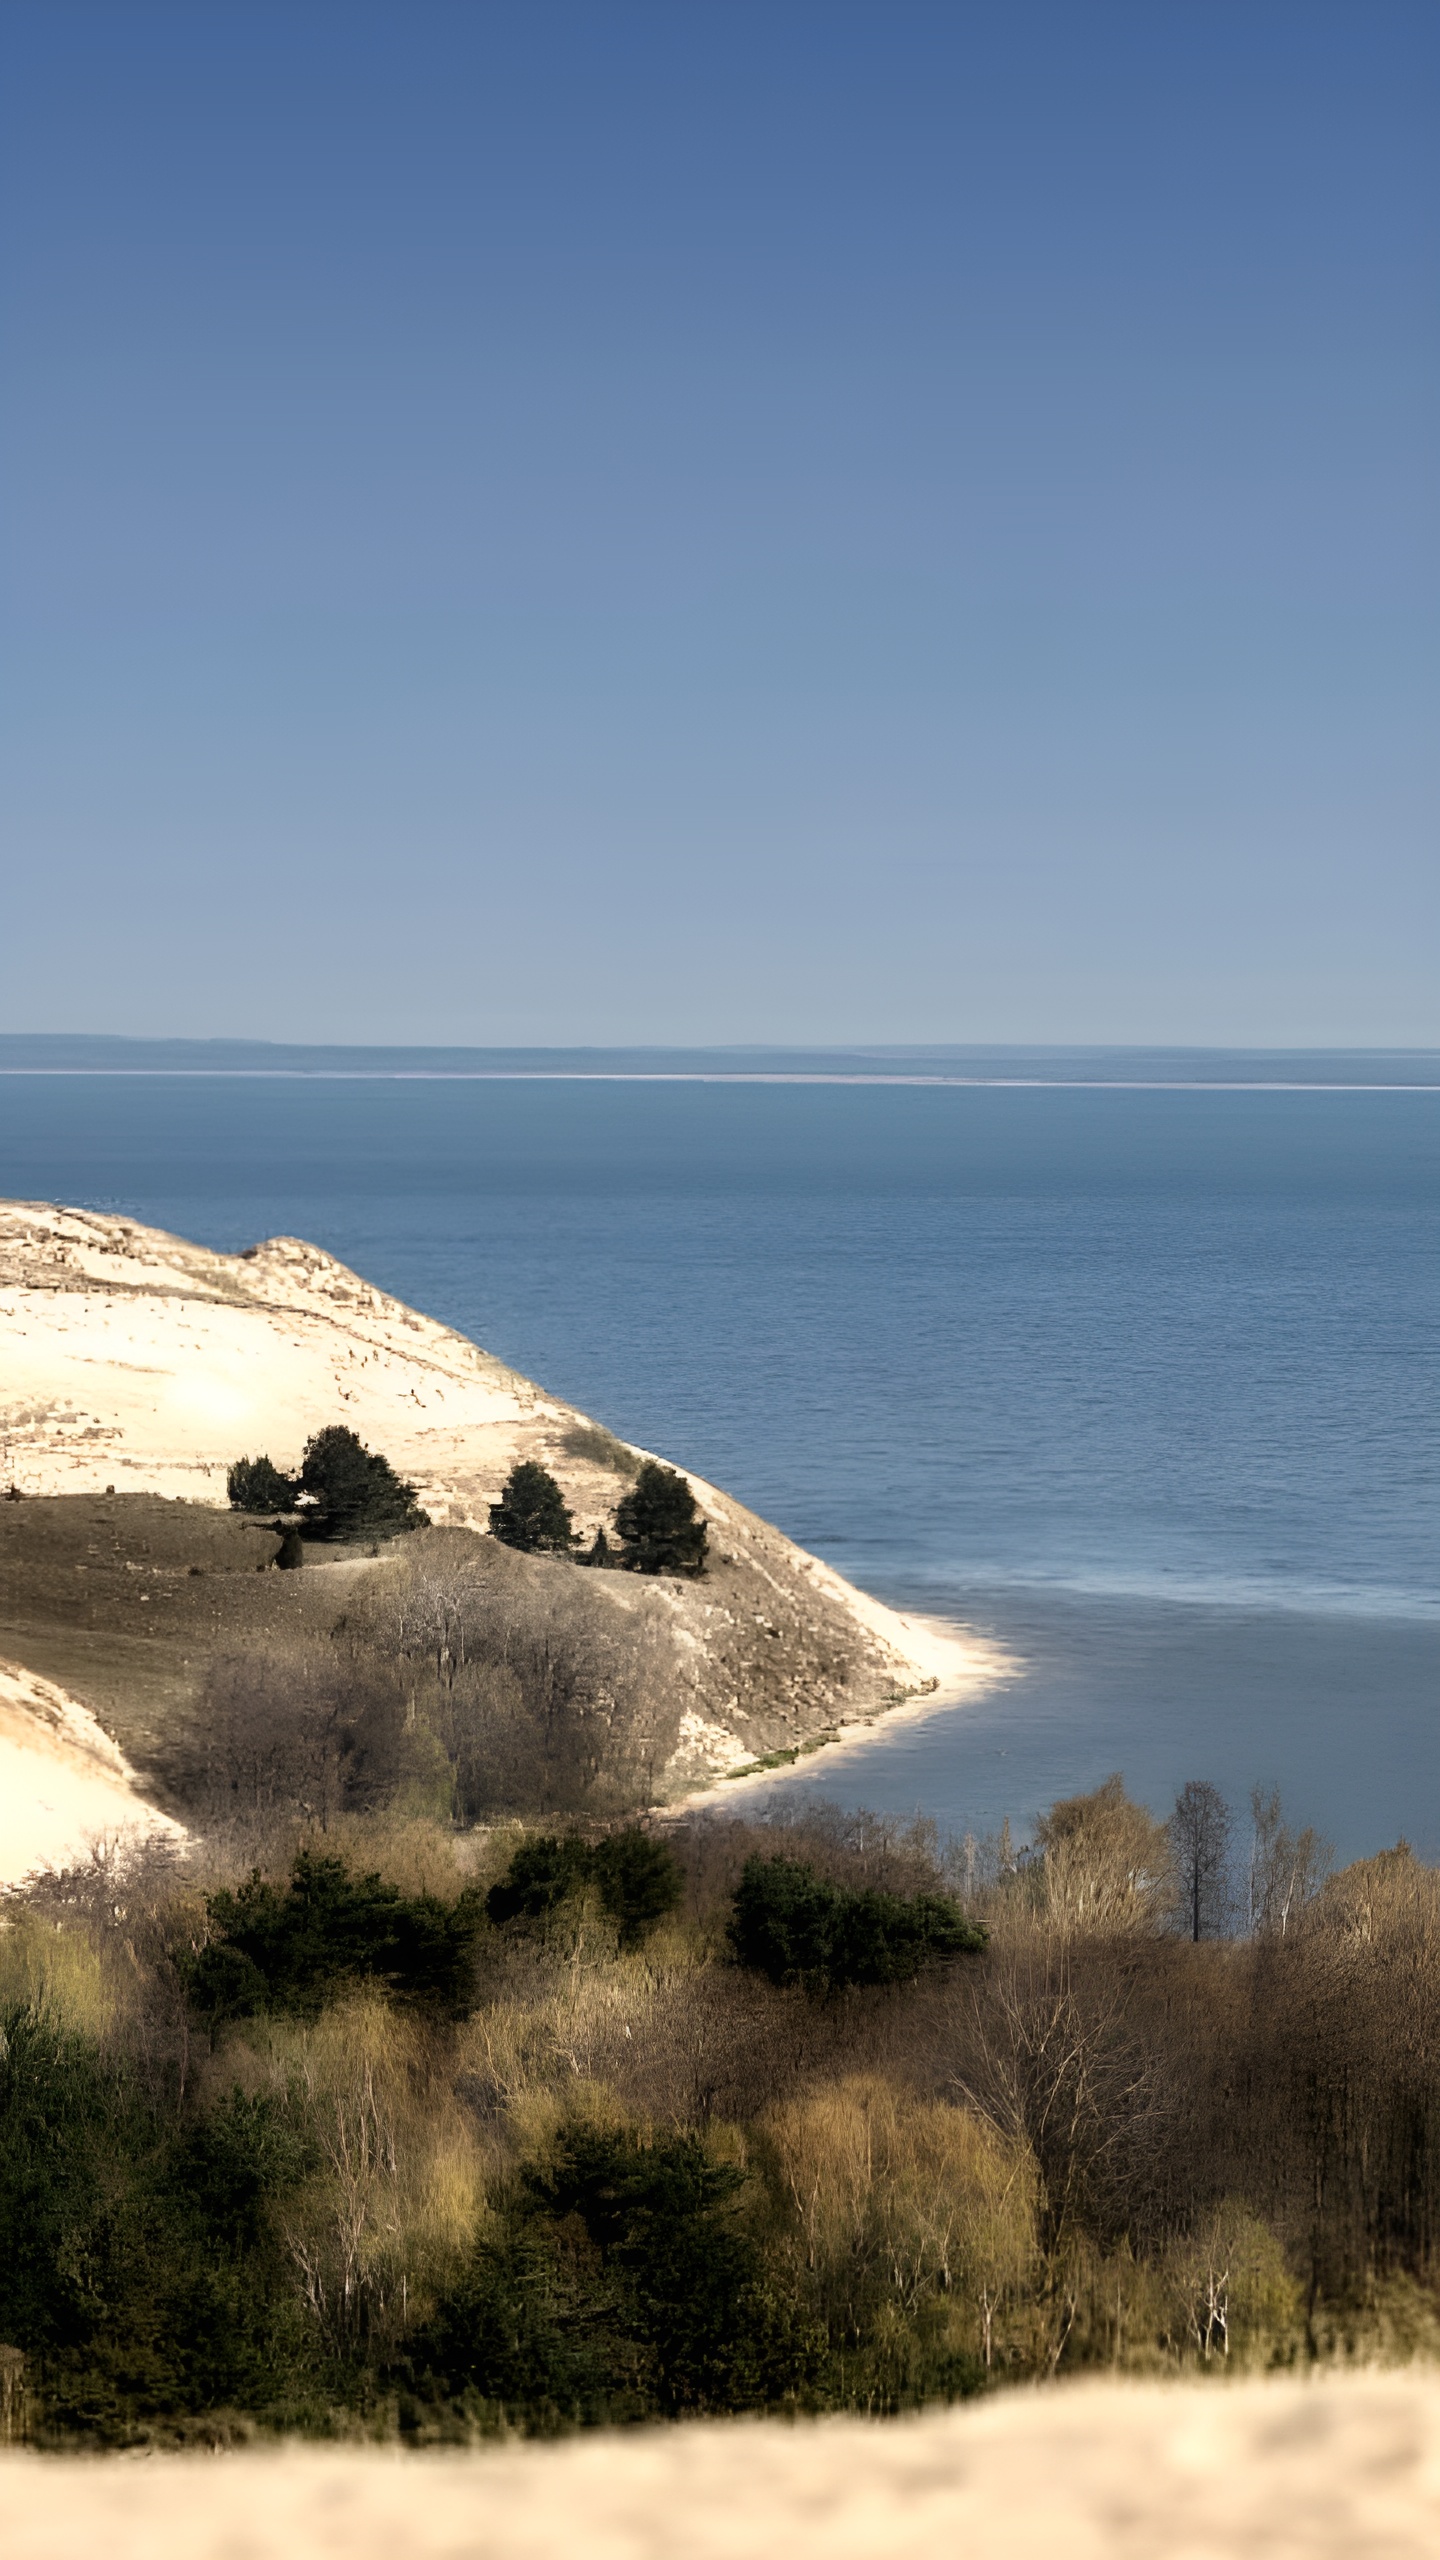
535	1684
1095	2144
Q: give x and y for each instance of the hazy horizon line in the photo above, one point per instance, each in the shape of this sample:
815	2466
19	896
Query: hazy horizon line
1133	1065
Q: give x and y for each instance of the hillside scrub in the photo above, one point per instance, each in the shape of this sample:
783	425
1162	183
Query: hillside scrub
592	1442
464	1680
476	1679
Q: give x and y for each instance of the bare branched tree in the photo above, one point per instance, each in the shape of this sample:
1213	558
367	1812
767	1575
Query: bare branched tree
1287	1868
1049	2053
295	1729
545	1699
1199	1831
1107	1862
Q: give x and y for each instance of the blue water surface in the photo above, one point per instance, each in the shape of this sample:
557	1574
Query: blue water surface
1141	1381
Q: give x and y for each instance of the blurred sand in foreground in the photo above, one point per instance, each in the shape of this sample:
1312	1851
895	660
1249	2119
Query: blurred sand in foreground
1134	2472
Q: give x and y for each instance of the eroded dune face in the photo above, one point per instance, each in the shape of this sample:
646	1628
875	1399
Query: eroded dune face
63	1784
1097	2471
134	1362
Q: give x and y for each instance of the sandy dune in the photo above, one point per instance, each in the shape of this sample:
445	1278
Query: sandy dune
133	1359
63	1784
1096	2471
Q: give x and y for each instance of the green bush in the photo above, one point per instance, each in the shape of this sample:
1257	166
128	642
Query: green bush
619	2284
639	1881
531	1513
792	1926
231	2164
355	1492
591	1440
660	1527
292	1948
141	2276
253	1484
637	1878
58	2123
540	1876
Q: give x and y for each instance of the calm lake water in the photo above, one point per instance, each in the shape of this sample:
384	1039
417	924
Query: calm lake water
1139	1380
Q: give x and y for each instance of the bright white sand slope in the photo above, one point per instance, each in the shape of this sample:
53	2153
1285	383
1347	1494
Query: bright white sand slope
1347	2469
63	1784
135	1360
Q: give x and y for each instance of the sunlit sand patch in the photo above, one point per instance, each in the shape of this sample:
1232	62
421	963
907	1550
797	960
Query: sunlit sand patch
63	1784
1098	2471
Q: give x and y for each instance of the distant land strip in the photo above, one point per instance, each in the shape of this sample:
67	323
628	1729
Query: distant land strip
1054	1066
716	1075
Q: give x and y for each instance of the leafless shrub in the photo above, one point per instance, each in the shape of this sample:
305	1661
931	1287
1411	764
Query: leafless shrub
991	1875
1047	2048
853	1849
1107	1863
294	1730
1286	1868
118	1887
102	1944
546	1692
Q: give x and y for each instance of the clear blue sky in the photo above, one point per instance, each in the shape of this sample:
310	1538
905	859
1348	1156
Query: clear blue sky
721	519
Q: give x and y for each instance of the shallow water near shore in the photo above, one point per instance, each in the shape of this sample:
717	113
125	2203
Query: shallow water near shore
1138	1378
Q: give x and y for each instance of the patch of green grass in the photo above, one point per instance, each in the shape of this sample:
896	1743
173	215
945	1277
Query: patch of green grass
782	1759
591	1441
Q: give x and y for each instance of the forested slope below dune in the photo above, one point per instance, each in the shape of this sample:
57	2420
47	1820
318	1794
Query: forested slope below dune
135	1366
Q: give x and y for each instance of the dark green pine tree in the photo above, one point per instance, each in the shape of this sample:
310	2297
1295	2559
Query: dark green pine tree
660	1527
356	1492
531	1513
253	1484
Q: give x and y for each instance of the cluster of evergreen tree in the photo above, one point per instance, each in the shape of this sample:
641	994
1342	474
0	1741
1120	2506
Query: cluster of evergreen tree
794	1927
617	2281
342	1490
143	2276
637	1879
658	1524
288	1949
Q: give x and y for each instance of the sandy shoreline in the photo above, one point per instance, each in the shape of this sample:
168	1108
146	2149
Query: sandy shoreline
962	1665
